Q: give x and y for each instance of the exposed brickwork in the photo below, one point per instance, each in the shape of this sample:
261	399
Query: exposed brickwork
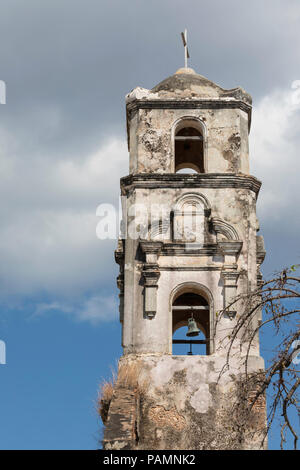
120	426
162	417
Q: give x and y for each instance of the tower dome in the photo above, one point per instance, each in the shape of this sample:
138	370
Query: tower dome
186	83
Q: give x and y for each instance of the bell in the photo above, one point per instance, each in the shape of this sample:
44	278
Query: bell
193	330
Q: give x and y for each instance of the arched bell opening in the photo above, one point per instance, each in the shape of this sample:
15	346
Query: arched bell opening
190	324
189	150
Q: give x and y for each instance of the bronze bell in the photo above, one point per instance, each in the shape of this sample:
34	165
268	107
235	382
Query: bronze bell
193	329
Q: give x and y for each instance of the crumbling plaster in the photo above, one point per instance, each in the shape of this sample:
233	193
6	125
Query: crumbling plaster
235	206
188	402
152	139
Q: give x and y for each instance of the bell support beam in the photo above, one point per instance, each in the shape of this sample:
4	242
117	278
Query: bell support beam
190	307
190	341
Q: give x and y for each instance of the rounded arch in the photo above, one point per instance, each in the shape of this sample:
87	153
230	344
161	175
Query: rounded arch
197	124
192	198
191	287
224	228
202	291
189	121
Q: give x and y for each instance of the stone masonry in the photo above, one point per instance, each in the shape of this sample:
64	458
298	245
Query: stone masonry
189	240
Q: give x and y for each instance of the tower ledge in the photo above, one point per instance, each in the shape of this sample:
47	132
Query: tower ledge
176	180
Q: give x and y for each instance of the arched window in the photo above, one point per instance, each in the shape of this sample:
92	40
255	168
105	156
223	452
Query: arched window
191	324
189	150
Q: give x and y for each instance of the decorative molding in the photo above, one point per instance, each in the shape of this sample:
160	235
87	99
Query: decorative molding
190	268
260	249
220	226
150	274
230	247
158	227
217	103
192	198
159	248
230	278
175	180
188	249
151	247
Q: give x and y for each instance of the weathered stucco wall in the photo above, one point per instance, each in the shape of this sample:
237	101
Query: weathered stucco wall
236	207
152	141
184	403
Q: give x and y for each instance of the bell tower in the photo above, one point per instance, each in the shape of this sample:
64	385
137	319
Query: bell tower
188	248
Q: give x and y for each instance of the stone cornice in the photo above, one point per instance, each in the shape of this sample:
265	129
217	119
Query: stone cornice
188	249
230	247
230	277
218	103
175	180
151	246
190	268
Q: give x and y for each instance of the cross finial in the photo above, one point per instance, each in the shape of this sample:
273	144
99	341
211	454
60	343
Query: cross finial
186	51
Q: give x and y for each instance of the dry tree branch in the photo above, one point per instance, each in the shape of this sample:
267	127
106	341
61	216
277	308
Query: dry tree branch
279	300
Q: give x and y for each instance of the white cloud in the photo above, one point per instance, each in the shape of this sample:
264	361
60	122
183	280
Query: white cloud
99	308
48	220
274	156
48	244
94	309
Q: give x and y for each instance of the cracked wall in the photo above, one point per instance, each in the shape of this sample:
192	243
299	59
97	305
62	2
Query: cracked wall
152	142
189	405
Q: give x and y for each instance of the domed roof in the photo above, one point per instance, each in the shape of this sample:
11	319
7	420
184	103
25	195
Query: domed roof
186	83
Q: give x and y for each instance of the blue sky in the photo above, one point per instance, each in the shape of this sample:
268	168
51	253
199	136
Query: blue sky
67	66
49	385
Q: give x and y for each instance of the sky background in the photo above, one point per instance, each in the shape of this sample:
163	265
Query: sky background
67	65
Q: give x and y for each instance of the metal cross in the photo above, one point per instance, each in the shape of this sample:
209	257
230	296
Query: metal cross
186	51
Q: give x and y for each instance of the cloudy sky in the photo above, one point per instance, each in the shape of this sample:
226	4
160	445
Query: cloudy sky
67	66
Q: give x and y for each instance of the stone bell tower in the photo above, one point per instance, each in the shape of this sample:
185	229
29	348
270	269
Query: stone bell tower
188	247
